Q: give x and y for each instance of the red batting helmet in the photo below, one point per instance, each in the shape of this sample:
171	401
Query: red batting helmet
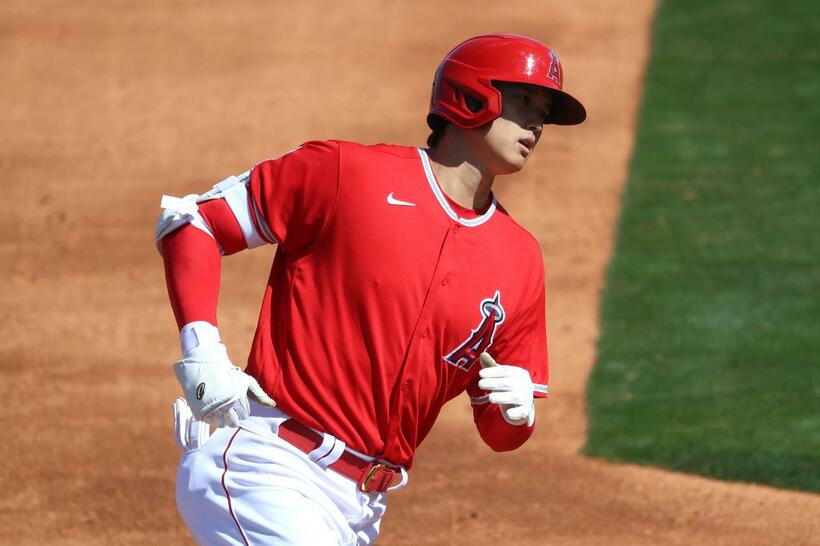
472	67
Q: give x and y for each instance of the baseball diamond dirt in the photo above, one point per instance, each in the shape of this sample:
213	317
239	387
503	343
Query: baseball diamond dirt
109	104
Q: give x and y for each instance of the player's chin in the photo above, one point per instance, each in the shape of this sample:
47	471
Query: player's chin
508	162
513	163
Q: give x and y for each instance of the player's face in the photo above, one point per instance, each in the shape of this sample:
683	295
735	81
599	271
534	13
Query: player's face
511	138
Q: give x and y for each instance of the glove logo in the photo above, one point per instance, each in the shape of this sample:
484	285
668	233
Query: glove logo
200	391
481	338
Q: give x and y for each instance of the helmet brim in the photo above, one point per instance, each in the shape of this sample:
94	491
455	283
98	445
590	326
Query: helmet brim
565	109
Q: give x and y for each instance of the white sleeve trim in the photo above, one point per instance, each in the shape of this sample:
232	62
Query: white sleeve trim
542	389
261	223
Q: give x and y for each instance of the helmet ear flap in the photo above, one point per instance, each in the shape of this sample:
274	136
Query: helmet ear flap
463	97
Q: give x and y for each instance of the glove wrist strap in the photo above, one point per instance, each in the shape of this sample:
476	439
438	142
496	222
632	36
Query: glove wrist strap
197	333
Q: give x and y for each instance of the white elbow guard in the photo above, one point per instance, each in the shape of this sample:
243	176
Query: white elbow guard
180	211
176	212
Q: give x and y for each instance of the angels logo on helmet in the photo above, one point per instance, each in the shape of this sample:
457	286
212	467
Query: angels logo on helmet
554	72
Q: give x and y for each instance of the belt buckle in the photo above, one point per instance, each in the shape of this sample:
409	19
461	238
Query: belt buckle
373	471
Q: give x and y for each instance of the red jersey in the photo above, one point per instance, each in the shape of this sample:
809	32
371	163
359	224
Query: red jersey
383	293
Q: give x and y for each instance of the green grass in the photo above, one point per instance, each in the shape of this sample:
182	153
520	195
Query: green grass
709	359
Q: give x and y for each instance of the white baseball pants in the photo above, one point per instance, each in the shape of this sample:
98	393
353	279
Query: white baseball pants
247	486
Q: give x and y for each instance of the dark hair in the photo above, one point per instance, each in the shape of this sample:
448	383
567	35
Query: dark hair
437	125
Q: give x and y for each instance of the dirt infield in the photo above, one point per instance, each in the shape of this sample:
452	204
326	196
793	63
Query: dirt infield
108	104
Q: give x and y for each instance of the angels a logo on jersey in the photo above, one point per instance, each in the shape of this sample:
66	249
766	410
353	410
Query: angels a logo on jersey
466	354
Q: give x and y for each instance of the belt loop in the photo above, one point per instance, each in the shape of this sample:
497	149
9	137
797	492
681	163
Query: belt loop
328	441
325	457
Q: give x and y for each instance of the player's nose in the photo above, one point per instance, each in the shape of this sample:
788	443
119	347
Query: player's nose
535	124
536	127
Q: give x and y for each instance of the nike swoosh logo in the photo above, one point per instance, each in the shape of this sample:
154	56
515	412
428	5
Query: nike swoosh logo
393	201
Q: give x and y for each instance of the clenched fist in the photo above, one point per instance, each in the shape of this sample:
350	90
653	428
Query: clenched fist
511	388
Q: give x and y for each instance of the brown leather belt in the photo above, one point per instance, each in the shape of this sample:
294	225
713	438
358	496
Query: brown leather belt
368	475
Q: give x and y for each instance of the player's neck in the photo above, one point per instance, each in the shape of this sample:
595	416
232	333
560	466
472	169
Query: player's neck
460	178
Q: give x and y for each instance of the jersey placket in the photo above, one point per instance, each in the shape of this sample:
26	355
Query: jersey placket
419	352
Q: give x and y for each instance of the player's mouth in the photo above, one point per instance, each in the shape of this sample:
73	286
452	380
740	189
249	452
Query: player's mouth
527	144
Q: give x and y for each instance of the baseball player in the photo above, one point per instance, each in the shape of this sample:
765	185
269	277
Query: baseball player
399	282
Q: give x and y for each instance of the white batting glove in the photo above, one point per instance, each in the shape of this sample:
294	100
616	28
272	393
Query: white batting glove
216	390
511	388
190	433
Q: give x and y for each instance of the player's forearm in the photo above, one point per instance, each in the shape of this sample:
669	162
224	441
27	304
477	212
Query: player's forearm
497	432
192	270
193	259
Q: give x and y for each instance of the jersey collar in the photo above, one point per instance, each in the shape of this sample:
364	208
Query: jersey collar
442	200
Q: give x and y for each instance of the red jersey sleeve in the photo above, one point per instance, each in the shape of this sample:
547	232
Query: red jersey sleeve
294	195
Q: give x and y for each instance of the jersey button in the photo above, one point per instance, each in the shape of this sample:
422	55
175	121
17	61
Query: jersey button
404	386
444	281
